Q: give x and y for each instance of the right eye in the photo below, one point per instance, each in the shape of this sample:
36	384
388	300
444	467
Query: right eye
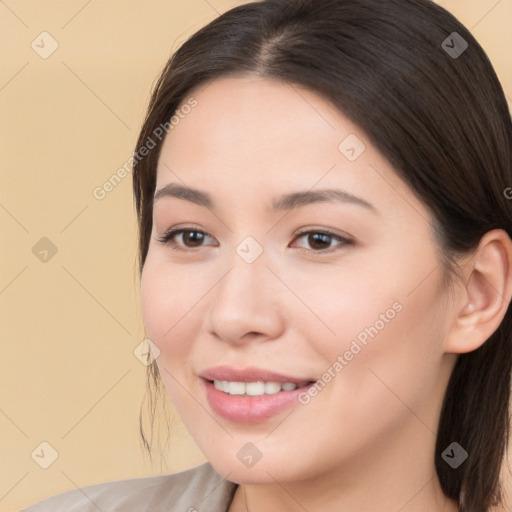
194	237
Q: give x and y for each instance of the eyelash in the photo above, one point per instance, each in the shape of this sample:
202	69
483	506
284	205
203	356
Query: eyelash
166	239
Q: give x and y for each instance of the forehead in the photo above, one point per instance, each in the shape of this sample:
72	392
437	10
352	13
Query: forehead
254	137
251	121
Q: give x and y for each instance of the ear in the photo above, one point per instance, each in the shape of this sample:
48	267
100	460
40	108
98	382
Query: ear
485	294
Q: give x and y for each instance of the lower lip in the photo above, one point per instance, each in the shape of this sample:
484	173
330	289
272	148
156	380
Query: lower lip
250	409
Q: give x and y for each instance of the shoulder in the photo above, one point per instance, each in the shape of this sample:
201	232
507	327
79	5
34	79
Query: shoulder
197	489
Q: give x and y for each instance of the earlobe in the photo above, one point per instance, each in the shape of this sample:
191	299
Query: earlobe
486	294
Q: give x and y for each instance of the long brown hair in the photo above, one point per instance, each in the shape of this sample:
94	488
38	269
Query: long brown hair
434	107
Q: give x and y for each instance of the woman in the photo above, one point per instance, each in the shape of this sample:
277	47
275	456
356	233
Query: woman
326	263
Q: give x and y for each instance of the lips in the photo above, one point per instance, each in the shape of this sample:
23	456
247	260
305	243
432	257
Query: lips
250	374
244	408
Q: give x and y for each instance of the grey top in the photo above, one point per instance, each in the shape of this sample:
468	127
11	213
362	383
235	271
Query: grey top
199	489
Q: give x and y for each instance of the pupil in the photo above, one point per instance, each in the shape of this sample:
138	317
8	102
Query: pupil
193	236
315	238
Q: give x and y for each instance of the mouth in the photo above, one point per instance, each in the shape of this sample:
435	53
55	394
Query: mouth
257	388
251	395
251	375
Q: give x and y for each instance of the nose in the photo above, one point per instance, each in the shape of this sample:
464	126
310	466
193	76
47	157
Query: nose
245	303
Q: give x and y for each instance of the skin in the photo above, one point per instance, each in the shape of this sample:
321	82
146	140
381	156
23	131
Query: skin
366	441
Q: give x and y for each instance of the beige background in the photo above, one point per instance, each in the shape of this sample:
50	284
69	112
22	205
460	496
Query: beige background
70	324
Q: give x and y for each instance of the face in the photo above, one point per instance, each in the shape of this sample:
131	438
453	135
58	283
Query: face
340	294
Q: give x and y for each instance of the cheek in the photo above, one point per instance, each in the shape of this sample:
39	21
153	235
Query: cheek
401	354
153	299
390	304
388	334
167	307
167	303
339	304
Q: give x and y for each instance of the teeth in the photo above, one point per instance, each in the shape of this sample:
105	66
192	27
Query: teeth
255	388
258	388
236	388
272	388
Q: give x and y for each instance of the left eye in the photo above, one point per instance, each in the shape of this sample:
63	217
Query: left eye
322	238
193	238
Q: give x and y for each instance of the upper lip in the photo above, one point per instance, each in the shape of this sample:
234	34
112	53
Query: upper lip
249	374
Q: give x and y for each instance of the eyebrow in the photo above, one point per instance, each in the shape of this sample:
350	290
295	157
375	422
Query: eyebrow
285	202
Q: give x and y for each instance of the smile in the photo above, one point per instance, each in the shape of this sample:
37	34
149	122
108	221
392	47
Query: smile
258	388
